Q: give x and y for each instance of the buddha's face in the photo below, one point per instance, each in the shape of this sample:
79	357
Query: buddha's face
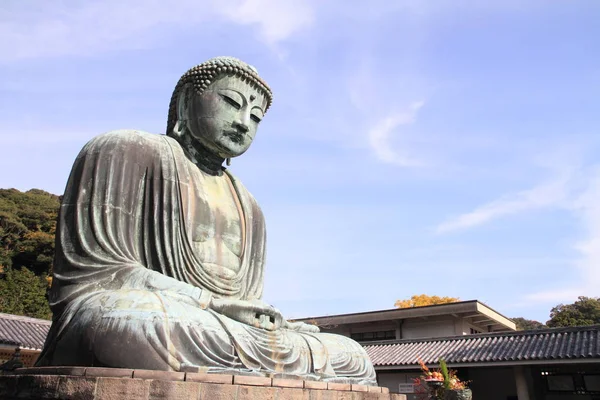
224	118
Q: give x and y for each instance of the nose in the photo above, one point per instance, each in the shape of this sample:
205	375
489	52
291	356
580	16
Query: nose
241	123
241	126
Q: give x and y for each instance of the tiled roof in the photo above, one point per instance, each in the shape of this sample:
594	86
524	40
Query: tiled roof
538	345
29	333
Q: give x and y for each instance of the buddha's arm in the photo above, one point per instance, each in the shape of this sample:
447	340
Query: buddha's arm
143	278
253	313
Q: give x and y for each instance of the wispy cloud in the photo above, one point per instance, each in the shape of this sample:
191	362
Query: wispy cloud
380	136
562	192
548	194
276	20
34	29
586	208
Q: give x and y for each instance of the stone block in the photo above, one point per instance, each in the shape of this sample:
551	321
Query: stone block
109	372
385	389
258	393
376	396
8	386
252	380
121	389
323	394
315	385
347	395
158	375
174	390
292	394
76	388
37	386
215	391
288	383
209	378
338	386
72	371
197	387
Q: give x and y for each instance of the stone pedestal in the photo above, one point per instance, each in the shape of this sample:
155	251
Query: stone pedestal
126	384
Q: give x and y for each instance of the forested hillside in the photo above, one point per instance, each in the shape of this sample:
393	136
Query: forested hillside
27	227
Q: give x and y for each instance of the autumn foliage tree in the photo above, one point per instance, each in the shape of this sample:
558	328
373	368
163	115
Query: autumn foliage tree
420	300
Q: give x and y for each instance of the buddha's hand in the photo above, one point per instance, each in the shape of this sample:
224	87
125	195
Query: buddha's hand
301	327
254	313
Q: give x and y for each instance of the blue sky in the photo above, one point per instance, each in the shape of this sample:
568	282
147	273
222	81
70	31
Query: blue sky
442	147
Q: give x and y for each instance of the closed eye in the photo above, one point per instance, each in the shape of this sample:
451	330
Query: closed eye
231	102
255	118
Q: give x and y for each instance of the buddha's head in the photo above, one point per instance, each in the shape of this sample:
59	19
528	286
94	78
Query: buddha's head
218	105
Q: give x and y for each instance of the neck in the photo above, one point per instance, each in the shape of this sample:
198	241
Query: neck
204	159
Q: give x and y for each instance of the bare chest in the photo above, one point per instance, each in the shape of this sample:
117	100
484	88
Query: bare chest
216	221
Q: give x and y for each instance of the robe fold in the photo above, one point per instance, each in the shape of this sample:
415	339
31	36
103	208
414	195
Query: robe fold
129	291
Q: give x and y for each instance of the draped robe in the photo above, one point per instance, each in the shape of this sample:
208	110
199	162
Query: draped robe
129	291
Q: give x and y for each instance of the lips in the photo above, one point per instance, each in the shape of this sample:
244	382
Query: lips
235	136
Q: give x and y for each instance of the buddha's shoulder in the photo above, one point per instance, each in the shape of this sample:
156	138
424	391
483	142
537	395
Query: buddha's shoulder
130	140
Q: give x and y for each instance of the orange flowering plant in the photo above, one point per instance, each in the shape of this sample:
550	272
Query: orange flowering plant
446	380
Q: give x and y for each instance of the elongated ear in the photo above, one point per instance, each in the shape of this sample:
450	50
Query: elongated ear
183	102
182	110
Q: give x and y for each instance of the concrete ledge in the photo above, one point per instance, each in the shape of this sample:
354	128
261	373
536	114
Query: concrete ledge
112	383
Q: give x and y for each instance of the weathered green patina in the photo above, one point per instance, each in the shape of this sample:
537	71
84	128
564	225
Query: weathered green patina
161	251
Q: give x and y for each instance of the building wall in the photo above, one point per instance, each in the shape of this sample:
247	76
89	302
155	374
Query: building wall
28	357
577	370
414	328
347	330
492	383
486	383
393	379
438	327
570	397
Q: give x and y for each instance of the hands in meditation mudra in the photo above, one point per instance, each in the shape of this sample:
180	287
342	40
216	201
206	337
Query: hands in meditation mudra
160	250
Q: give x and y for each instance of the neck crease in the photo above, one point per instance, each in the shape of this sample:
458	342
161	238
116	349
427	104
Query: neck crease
204	159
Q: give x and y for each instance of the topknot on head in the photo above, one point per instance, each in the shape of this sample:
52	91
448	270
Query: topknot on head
204	74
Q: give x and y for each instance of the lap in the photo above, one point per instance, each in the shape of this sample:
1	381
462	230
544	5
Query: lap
146	330
147	306
130	310
160	330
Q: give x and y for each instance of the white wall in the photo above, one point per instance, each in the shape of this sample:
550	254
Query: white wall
391	380
429	328
413	328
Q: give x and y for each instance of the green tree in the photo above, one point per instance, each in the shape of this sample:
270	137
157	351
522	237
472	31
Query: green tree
24	293
524	324
585	311
27	229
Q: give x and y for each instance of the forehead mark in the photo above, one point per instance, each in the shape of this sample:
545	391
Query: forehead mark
241	87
